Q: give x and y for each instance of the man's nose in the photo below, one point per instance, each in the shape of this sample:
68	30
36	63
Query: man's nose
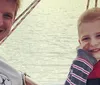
1	19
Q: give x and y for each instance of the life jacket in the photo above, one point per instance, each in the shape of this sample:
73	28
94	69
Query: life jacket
94	76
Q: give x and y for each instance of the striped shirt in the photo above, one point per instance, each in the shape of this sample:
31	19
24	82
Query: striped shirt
80	68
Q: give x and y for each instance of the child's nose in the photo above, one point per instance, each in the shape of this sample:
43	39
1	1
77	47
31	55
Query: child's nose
1	19
93	42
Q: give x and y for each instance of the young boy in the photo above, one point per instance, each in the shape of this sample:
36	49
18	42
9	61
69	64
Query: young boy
85	69
8	75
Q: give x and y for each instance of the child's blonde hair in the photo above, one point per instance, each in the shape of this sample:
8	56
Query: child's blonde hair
89	16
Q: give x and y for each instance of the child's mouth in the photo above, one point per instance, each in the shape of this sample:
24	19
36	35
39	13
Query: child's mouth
94	50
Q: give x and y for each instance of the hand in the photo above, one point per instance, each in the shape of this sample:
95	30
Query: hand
84	46
28	81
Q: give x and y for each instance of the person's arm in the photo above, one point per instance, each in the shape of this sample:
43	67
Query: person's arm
80	68
28	81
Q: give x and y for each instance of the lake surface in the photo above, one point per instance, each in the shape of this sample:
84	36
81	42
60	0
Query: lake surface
44	44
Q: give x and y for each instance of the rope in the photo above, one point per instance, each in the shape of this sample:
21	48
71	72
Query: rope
21	17
87	4
96	4
25	10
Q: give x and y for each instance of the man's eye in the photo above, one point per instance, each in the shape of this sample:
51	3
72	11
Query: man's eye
7	16
84	39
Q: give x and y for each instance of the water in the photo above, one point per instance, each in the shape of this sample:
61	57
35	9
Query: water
44	44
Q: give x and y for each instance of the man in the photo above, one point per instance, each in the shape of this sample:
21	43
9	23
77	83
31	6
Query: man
8	75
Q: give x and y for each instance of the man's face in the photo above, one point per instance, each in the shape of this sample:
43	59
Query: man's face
89	33
7	17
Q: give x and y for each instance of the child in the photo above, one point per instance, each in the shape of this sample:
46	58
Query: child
85	69
8	75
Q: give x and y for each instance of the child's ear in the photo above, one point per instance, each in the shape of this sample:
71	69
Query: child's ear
79	41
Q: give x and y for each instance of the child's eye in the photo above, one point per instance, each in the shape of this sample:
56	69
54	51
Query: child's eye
98	36
7	16
85	39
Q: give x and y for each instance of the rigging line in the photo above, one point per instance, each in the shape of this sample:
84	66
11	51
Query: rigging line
20	21
26	10
96	3
87	4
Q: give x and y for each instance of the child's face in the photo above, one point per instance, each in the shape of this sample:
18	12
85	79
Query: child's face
89	33
7	17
